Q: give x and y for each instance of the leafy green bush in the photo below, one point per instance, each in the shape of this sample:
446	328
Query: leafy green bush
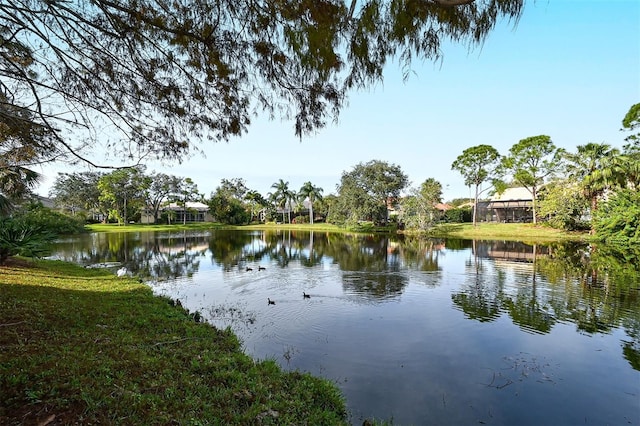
228	210
458	215
562	206
38	216
301	219
618	219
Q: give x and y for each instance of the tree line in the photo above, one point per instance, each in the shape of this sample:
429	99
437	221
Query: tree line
150	79
594	187
366	193
569	190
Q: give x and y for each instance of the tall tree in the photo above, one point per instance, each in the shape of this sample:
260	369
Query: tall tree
631	122
631	151
477	165
124	189
16	182
162	74
23	144
77	191
255	200
227	205
530	162
418	209
369	188
313	193
596	167
235	188
282	196
187	191
160	187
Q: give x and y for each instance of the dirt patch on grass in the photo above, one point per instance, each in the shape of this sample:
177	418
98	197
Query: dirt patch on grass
17	262
42	414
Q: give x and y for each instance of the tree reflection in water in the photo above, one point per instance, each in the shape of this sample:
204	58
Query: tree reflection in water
537	286
595	287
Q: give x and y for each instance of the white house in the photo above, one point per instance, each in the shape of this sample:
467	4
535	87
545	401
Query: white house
195	212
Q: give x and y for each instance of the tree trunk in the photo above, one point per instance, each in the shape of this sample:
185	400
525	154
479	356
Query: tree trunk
594	207
310	211
184	212
475	207
535	216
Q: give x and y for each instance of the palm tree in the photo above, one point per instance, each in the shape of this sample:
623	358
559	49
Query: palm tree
596	167
24	143
281	195
290	197
311	192
254	198
15	183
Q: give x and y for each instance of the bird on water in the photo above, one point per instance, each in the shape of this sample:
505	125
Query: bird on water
305	295
270	302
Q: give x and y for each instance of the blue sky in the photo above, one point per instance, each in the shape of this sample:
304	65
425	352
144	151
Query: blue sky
570	69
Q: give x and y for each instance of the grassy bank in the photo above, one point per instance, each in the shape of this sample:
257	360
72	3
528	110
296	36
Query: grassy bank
505	231
80	346
134	227
486	231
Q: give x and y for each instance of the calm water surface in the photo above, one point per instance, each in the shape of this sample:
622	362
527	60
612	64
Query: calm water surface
414	331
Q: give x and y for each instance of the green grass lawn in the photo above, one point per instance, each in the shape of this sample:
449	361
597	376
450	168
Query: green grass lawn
506	231
496	231
81	346
136	227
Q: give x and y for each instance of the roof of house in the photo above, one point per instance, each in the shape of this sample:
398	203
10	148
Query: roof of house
46	201
443	206
193	205
464	205
510	194
511	198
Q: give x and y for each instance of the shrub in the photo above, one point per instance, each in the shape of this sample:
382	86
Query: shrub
562	205
38	216
618	219
301	219
18	237
458	215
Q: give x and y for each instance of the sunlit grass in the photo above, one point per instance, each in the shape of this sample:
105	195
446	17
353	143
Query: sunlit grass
501	231
297	227
137	227
81	346
133	227
505	231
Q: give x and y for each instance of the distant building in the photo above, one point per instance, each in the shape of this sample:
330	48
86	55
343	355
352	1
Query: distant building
146	216
513	205
299	209
443	207
45	201
195	212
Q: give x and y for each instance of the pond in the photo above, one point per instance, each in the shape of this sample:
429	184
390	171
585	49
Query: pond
413	331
